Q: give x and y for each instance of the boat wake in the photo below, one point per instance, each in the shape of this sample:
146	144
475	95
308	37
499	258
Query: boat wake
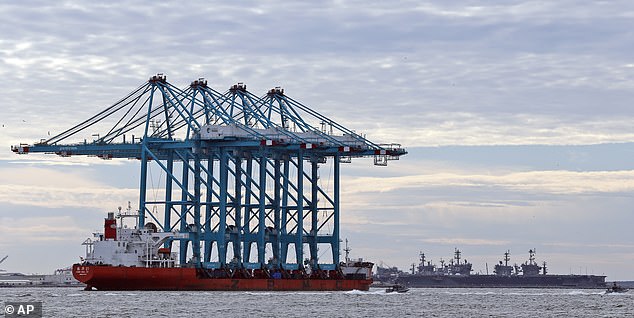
370	292
579	292
472	293
612	294
287	293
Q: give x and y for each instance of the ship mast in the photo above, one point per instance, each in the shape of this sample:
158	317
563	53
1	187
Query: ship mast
347	250
128	214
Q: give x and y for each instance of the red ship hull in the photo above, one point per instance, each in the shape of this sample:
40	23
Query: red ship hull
146	278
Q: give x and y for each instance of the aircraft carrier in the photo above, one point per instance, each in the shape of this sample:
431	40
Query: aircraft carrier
457	273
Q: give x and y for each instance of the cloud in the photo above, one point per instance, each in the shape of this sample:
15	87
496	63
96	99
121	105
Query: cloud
431	73
65	197
596	245
457	241
37	176
46	187
520	75
39	229
440	129
546	182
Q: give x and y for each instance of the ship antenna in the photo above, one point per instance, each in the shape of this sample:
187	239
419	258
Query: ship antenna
507	258
531	256
347	250
120	225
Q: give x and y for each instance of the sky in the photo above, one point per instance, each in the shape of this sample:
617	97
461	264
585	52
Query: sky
516	116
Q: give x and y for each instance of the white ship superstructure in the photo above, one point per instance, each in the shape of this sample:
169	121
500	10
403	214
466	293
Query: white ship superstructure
123	246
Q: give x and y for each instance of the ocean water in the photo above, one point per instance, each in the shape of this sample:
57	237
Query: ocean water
418	302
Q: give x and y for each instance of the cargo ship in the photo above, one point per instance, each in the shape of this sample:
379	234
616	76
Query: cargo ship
457	273
137	258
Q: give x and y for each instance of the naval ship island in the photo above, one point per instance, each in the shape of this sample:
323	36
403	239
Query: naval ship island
457	273
230	196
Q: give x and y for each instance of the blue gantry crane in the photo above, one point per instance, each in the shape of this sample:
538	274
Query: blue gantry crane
241	172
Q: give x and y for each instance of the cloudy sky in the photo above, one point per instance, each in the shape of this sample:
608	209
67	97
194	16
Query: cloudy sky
516	115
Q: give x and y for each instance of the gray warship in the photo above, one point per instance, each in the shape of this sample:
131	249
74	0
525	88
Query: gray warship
457	273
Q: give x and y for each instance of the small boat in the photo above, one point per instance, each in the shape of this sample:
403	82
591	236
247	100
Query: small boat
616	289
396	289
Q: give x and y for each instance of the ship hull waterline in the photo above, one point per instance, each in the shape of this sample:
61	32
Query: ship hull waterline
490	281
145	278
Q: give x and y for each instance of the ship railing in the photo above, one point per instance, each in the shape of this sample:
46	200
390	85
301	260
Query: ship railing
161	263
